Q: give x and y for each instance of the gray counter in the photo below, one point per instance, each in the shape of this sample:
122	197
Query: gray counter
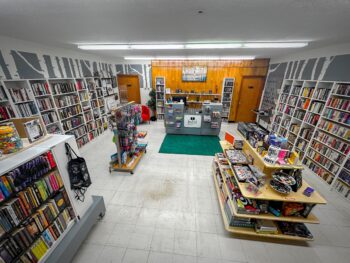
203	121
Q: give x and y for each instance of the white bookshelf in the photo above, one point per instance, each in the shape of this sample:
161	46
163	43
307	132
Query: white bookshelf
84	97
160	96
315	127
226	97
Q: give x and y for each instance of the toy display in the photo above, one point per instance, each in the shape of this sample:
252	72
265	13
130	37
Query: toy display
280	187
242	172
10	141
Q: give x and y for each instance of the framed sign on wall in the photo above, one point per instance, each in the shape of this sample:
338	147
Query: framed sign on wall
194	73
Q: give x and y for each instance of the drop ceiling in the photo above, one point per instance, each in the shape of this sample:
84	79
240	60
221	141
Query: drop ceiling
65	23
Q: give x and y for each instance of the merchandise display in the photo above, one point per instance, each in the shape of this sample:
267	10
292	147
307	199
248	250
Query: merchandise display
255	199
10	141
124	120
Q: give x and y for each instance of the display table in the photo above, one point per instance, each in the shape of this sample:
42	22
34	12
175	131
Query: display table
203	121
266	193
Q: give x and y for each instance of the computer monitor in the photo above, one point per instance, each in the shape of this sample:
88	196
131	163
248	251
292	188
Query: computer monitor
179	98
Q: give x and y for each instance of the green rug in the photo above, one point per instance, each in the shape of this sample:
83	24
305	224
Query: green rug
191	145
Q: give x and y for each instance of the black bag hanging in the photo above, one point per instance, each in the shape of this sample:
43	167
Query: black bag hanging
78	173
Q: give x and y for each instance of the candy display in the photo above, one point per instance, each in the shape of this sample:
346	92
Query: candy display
10	142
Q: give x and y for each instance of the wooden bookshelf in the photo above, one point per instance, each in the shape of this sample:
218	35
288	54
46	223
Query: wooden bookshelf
266	193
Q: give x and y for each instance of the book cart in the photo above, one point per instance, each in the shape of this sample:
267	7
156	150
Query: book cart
124	120
41	221
225	179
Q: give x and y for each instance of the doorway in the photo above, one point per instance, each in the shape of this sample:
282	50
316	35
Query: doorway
129	88
249	98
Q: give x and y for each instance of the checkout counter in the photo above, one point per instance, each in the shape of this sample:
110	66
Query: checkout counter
202	121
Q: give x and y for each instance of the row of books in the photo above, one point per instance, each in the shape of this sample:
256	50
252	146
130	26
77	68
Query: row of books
49	117
322	93
312	118
61	88
80	85
333	142
91	126
285	122
291	138
321	172
54	129
19	95
278	119
292	101
6	112
289	110
64	101
69	111
299	114
78	132
301	144
82	141
88	116
73	122
284	98
294	128
286	89
308	92
84	96
99	93
339	116
27	109
324	161
337	103
335	129
345	176
45	104
328	152
342	188
31	245
94	104
304	103
296	90
316	107
342	89
40	88
306	133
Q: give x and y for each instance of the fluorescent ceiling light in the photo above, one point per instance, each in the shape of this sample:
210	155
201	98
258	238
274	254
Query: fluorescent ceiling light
275	44
157	46
177	46
104	47
213	46
192	58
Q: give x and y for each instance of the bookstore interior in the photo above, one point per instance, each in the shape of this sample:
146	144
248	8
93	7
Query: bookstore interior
117	145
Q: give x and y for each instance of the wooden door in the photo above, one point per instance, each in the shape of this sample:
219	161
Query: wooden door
131	84
249	98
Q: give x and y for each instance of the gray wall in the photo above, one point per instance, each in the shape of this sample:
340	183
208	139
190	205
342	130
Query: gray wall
331	68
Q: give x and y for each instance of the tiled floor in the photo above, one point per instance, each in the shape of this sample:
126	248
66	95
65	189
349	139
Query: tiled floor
168	212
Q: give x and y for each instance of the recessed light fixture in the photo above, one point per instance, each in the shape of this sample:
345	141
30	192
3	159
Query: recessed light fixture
190	58
164	46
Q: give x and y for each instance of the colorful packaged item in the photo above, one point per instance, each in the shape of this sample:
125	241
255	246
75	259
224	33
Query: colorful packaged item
10	141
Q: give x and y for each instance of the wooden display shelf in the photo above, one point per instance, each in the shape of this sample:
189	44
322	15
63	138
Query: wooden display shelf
311	219
267	193
250	231
125	167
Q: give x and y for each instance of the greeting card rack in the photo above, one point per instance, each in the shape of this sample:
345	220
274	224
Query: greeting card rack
240	218
124	120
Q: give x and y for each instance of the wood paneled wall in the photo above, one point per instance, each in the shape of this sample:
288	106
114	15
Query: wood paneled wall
217	71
